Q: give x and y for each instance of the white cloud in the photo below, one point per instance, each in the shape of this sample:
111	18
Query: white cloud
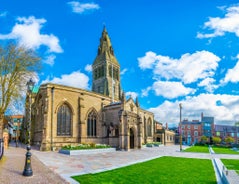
123	71
80	8
229	23
75	79
3	14
131	94
171	89
147	61
208	84
232	75
225	113
145	92
88	68
27	32
189	68
50	60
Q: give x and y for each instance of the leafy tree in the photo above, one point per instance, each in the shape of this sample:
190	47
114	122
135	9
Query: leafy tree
17	65
204	139
216	140
229	140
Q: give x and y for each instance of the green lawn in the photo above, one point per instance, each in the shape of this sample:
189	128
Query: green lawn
231	164
221	150
199	149
161	170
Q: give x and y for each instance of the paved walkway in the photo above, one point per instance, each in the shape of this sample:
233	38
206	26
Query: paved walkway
66	166
12	166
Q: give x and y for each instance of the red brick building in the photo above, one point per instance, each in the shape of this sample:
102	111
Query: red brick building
191	131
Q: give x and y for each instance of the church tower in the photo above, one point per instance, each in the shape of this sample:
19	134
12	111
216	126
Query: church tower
106	70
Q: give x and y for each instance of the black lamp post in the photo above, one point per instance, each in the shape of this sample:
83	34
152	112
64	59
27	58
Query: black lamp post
180	127
16	137
28	168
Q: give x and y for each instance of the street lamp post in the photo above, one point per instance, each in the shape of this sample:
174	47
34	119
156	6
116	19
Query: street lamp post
28	168
16	137
180	127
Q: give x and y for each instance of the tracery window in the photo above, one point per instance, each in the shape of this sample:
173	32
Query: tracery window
149	128
91	124
64	118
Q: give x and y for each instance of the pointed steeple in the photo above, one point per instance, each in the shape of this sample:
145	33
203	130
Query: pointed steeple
106	69
137	102
105	49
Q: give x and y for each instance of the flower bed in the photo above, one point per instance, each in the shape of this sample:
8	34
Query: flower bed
153	144
86	149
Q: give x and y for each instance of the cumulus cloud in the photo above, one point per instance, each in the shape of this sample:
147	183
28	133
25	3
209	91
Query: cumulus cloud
75	79
131	94
229	23
208	84
27	32
80	8
148	60
123	71
232	75
145	92
88	68
192	106
171	89
189	68
50	60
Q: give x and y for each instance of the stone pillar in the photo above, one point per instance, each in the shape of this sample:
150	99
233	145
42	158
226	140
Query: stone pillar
139	134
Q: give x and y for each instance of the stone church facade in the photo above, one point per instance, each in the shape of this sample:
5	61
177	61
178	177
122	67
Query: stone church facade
63	115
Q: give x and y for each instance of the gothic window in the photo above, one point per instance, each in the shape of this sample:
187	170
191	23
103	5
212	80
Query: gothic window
149	128
64	118
132	107
91	124
103	71
110	71
95	74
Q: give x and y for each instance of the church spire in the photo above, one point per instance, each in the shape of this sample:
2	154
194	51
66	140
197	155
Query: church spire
106	69
105	49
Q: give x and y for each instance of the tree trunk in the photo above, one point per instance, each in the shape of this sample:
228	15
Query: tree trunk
1	125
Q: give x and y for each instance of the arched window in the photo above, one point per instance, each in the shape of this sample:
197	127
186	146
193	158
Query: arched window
91	124
64	118
149	127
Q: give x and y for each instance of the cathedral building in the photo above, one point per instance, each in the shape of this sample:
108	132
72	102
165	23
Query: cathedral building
63	115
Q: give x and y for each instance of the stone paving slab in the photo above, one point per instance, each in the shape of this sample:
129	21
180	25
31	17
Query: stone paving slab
53	167
92	163
12	166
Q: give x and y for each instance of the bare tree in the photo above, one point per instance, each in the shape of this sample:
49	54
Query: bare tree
17	65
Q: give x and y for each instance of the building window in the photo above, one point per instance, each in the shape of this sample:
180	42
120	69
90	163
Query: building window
232	134
189	132
182	126
188	126
182	132
64	117
195	133
149	128
195	127
91	124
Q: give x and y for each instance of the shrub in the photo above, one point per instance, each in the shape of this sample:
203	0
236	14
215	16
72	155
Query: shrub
85	146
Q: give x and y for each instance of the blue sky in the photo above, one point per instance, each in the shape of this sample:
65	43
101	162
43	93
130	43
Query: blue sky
170	52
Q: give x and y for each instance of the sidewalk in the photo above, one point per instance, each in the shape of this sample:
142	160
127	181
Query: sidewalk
12	166
53	167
